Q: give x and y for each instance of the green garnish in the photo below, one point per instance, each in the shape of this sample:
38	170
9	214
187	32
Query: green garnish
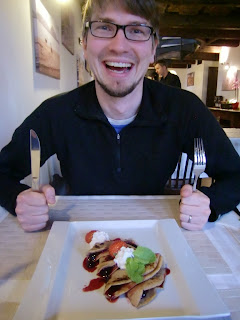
135	266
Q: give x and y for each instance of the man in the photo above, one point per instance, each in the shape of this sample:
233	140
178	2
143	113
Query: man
122	133
166	77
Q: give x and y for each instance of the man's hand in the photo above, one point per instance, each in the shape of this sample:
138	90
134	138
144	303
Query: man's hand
195	205
32	207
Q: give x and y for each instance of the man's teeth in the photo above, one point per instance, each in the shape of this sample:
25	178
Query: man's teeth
118	64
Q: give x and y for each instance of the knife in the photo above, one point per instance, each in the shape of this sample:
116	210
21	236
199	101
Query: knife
35	160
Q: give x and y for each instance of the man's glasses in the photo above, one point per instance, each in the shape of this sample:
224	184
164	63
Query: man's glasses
134	32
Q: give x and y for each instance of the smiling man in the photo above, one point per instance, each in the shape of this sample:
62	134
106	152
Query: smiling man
119	46
122	133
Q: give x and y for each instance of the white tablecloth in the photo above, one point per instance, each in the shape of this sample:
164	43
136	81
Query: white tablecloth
217	247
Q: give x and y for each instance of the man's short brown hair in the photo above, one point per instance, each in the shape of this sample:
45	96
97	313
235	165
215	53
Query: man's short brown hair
143	8
162	62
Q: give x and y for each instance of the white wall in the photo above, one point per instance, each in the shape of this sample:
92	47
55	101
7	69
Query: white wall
200	78
233	60
21	88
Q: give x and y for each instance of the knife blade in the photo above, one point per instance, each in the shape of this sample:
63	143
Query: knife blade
35	152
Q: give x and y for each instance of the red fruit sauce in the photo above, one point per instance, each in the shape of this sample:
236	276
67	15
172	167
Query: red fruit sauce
94	284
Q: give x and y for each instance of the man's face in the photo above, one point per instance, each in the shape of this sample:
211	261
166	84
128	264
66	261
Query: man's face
119	65
159	69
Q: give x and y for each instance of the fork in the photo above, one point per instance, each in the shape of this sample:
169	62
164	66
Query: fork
199	160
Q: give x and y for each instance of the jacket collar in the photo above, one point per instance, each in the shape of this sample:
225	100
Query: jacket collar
151	111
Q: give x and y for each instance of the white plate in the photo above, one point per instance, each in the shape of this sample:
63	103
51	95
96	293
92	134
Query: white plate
55	292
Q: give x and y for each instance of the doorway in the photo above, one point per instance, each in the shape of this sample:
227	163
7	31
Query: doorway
211	86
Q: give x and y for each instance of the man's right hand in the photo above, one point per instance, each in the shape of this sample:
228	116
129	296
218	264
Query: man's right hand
32	207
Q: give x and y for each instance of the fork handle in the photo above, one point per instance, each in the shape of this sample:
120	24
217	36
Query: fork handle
195	182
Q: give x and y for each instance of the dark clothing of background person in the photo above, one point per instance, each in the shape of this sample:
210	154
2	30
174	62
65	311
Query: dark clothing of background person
171	80
95	160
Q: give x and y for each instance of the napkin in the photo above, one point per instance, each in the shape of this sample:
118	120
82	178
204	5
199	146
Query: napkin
3	214
230	219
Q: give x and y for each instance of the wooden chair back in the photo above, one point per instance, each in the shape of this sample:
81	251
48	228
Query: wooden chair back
183	175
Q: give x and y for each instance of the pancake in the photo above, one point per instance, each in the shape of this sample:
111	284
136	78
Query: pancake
144	292
119	283
98	247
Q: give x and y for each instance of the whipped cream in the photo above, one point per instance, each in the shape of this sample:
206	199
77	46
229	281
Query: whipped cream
99	237
122	256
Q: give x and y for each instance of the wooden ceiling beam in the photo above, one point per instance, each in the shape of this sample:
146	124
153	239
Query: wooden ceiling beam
212	23
203	56
200	21
199	2
196	33
178	65
184	61
223	43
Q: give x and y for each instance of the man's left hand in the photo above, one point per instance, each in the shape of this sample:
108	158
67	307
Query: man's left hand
194	208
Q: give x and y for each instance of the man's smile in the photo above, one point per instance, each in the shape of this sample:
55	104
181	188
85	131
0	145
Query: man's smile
118	67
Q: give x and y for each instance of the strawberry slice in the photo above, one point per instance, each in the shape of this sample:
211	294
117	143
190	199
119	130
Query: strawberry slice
89	236
115	247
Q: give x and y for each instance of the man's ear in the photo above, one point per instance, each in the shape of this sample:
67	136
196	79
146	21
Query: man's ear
84	45
154	48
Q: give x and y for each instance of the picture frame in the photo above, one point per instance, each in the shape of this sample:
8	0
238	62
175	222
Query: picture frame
190	79
229	78
46	41
67	28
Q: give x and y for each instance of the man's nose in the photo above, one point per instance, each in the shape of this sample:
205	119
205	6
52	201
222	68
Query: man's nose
119	41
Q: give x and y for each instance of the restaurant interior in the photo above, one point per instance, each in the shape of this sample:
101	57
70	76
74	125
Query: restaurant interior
41	274
200	41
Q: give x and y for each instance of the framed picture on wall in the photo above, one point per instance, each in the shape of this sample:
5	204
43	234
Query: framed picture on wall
229	79
190	79
67	24
46	42
80	69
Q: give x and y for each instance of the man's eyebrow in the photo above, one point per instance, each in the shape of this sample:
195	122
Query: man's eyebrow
112	21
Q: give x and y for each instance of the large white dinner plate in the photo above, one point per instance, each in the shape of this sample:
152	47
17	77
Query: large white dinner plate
55	291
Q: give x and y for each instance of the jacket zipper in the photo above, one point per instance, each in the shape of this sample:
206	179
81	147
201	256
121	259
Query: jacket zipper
118	154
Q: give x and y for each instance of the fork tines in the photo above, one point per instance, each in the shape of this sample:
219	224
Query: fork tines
199	152
199	160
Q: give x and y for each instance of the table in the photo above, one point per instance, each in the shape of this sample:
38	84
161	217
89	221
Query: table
234	136
233	116
217	247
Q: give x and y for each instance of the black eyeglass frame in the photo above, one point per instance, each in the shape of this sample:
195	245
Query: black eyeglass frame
88	24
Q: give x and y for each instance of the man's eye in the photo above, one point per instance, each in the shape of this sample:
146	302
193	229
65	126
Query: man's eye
104	27
137	31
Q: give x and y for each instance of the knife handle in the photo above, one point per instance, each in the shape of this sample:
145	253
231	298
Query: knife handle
35	184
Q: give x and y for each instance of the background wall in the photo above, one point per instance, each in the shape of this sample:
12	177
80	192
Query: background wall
233	60
200	78
21	88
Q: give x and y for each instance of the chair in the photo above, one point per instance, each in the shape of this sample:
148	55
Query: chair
60	185
183	174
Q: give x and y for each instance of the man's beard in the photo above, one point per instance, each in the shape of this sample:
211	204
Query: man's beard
116	92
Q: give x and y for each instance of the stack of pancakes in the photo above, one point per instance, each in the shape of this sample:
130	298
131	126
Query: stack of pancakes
119	283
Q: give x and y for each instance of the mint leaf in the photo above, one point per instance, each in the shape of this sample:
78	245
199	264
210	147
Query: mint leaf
144	255
135	270
135	266
138	278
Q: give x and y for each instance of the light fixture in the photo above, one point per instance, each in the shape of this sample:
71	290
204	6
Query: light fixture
63	1
226	66
223	55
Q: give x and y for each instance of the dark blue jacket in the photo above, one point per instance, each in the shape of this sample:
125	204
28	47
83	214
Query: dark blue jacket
171	80
94	161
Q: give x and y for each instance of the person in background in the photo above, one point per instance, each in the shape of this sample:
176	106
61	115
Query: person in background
166	77
121	134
